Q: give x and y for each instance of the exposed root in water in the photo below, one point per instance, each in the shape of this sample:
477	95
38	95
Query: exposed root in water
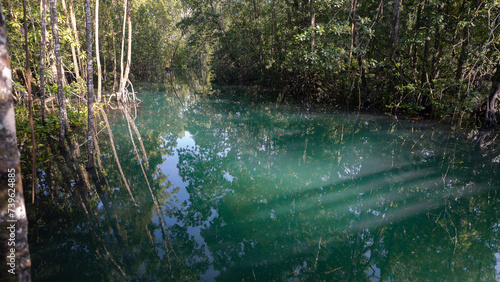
125	96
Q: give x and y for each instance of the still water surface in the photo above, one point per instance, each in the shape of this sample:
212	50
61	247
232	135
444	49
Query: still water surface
254	190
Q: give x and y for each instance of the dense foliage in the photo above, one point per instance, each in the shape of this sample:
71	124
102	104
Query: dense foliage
154	41
425	57
434	57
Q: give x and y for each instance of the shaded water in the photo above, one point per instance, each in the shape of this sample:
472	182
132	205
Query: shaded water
252	190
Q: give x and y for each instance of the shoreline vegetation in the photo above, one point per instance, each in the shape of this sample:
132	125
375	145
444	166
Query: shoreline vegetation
420	58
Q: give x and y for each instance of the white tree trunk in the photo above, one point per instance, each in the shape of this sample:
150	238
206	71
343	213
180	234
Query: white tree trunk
63	116
16	262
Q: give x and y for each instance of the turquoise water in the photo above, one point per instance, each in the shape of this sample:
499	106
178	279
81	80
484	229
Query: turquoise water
255	190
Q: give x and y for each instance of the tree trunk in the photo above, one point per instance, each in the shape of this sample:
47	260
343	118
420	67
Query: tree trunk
414	50
115	71
63	116
175	50
30	106
120	94
362	83
14	250
313	24
437	50
129	49
396	13
90	86
77	38
43	5
353	14
424	72
73	49
256	11
51	59
463	54
97	54
493	97
111	42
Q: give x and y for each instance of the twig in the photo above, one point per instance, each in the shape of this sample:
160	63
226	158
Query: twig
317	254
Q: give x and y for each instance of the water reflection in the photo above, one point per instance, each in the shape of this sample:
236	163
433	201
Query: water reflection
235	188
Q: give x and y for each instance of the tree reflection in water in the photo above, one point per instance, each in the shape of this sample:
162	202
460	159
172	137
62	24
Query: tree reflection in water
231	187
